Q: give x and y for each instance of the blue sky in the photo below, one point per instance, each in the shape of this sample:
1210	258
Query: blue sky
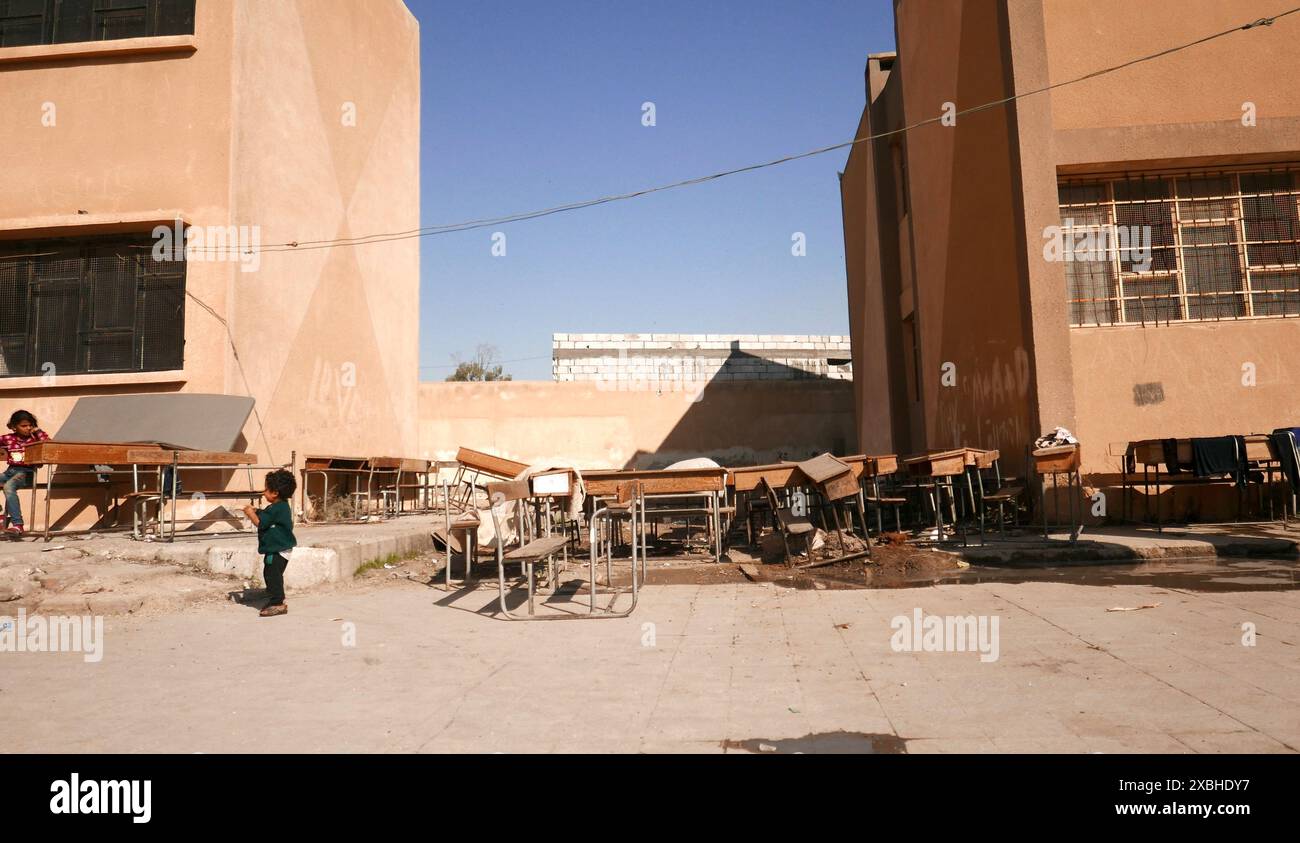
530	105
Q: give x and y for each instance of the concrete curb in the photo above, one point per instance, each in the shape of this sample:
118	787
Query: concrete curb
1101	553
309	565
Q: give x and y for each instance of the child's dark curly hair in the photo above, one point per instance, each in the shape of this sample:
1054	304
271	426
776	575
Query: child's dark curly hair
282	482
21	416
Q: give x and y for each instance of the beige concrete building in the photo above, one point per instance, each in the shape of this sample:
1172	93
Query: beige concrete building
971	325
254	123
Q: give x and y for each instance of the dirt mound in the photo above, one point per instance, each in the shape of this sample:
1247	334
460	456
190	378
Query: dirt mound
894	564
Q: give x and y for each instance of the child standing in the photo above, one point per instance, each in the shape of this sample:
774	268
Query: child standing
275	536
18	473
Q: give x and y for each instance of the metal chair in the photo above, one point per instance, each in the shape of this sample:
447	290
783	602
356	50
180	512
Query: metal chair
543	549
787	522
1005	492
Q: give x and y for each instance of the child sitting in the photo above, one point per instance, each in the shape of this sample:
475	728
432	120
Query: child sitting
18	473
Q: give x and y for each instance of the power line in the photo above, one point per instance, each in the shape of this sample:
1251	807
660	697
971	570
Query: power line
468	225
230	338
483	223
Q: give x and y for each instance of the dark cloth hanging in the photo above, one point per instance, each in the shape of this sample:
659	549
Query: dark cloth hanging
1171	455
1216	455
1284	445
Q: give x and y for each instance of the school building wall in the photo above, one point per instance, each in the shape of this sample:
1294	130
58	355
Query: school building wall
300	117
980	195
942	229
1118	123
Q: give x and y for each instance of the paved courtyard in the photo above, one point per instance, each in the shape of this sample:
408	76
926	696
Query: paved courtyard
729	667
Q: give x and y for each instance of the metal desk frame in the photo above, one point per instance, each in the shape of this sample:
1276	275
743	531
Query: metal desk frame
137	455
1268	465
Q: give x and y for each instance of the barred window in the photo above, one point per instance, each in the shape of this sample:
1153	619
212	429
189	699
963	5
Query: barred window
1186	247
24	23
89	305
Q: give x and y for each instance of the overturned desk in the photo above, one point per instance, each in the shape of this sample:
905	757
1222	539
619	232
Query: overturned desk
474	466
743	480
836	480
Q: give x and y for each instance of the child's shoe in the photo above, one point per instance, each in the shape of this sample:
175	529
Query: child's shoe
14	531
272	611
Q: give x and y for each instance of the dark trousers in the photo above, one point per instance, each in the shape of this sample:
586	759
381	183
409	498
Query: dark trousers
273	572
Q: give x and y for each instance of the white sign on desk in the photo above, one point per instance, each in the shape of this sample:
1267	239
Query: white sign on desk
551	484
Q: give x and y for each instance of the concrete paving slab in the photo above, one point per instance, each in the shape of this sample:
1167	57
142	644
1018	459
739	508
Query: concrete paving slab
735	662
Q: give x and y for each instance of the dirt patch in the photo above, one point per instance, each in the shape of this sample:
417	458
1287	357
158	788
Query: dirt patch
892	565
103	586
699	573
888	567
421	568
908	563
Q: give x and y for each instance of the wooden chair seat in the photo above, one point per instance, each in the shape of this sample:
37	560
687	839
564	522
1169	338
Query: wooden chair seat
885	500
1006	493
795	525
538	548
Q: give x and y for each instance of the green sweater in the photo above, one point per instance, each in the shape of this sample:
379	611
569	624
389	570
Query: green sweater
275	528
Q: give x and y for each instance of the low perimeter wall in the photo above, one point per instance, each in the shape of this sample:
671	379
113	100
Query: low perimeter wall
599	426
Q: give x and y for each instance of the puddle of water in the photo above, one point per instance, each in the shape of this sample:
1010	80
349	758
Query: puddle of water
818	582
1206	575
824	743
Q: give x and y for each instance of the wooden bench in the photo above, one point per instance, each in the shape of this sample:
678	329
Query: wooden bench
541	549
1150	453
538	549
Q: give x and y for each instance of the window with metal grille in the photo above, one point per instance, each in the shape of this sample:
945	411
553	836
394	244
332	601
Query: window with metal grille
24	23
100	304
1161	248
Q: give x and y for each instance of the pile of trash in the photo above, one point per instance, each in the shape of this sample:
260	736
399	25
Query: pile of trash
1059	436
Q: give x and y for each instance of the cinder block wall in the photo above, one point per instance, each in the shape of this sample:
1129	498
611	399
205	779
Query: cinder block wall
696	358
